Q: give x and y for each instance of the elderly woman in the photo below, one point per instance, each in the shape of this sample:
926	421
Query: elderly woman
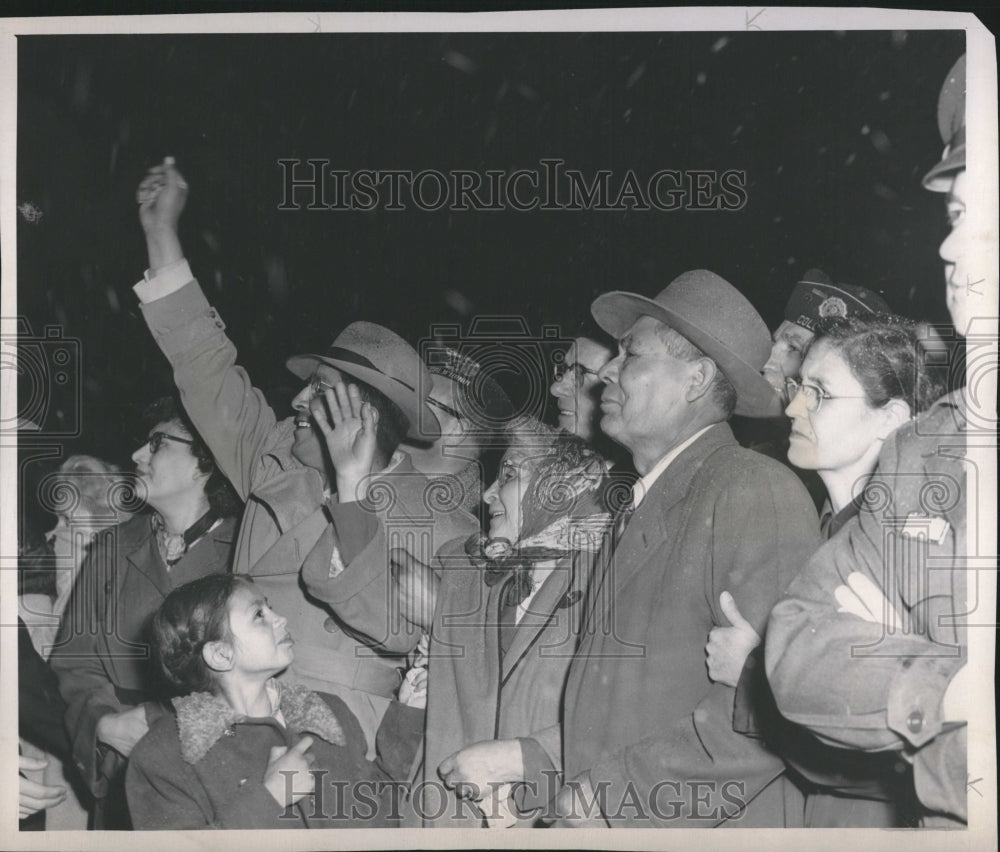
502	611
861	379
101	653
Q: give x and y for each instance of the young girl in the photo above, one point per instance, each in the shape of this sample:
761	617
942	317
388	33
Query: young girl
243	750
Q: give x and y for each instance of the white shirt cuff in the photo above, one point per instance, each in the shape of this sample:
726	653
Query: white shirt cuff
163	281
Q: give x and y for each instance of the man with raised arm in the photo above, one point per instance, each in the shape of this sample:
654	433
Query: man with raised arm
306	497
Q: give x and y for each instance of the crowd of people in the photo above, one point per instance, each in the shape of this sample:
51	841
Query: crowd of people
684	607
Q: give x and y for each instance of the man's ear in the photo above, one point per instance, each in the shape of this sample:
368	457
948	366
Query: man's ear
701	377
219	656
894	414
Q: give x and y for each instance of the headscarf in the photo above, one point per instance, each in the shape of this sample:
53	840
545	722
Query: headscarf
562	513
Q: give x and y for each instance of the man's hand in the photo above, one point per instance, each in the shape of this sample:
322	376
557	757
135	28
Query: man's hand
576	806
123	730
33	796
349	430
299	762
729	647
162	195
470	772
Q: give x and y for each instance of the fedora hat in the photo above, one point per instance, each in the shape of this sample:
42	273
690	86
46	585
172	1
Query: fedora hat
712	314
381	358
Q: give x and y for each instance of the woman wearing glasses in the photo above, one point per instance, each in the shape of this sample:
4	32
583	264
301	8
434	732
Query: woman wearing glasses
101	654
861	379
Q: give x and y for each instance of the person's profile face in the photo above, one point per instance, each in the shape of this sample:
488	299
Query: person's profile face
787	351
971	289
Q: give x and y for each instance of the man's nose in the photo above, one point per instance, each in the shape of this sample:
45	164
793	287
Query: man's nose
141	453
300	402
609	372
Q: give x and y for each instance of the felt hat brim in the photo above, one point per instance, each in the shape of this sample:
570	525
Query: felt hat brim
423	423
618	311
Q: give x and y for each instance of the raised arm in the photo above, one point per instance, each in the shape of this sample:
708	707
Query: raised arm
230	414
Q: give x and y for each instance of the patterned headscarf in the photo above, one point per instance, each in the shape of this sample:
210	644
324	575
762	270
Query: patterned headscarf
562	511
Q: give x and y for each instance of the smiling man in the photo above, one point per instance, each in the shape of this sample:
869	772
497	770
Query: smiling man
303	503
644	727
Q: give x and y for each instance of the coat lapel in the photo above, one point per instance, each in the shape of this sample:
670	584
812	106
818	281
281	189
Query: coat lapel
145	558
648	528
540	612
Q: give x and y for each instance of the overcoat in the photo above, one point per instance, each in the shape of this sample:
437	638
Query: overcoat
102	653
288	515
642	718
203	767
869	683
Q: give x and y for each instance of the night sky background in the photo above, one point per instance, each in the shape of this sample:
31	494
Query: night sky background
833	130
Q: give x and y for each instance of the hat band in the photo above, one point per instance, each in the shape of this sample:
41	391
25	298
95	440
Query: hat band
350	357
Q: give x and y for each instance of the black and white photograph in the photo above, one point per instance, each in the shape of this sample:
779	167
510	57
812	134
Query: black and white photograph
571	419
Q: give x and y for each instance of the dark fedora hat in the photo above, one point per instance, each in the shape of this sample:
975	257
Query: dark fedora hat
381	358
712	314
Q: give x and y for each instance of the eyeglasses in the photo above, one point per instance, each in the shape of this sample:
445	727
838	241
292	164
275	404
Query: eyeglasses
156	440
579	372
813	395
317	386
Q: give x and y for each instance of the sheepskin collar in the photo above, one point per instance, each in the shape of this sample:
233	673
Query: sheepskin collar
203	718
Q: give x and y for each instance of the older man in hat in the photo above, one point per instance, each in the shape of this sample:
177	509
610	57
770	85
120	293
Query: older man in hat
307	496
644	728
869	648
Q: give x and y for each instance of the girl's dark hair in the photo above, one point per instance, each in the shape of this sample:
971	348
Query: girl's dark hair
884	353
221	495
189	618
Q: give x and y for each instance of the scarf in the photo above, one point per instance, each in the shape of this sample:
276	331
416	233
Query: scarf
562	513
173	547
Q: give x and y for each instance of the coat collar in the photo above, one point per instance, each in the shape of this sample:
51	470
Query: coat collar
203	718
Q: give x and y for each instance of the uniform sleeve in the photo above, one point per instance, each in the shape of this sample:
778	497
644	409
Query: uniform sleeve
857	681
230	414
859	677
763	527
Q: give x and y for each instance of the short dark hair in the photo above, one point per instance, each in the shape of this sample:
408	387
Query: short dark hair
721	391
392	424
188	619
221	495
885	356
